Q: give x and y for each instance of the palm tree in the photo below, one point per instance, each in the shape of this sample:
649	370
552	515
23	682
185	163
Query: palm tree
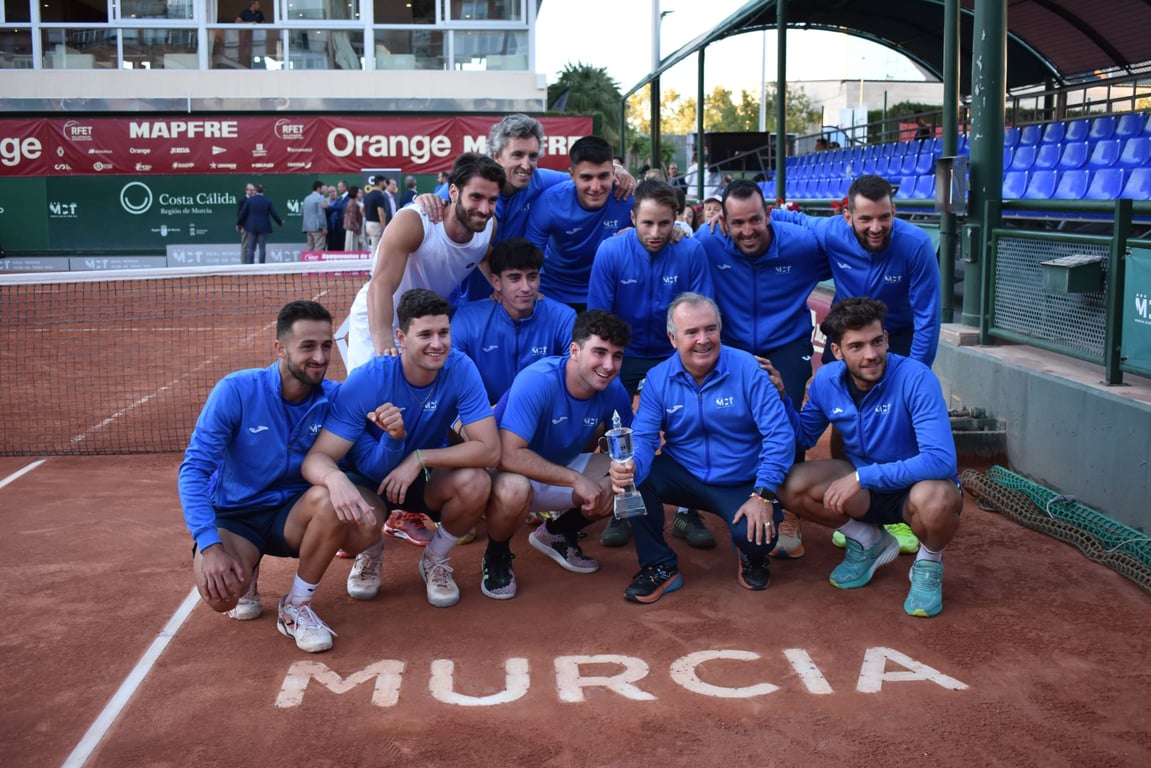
587	90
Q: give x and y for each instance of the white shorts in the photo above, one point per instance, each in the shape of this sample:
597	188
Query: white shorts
556	498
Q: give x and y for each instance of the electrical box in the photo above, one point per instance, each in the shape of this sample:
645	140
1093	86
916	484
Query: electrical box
970	243
1079	273
951	185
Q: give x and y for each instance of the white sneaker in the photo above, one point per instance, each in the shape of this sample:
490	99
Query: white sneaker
437	575
364	579
248	607
300	623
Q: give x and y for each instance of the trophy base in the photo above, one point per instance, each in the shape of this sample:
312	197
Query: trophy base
629	504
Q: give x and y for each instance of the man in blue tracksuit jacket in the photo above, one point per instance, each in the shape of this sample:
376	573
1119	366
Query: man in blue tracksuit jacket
570	220
874	254
636	276
240	484
901	463
515	326
728	447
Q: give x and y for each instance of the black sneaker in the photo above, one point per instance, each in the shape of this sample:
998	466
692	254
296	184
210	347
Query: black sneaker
616	533
499	582
652	583
689	526
754	571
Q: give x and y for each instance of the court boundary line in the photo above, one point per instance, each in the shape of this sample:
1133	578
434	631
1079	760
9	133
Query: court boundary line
21	472
111	712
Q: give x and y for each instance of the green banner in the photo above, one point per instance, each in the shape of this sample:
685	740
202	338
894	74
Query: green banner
23	224
151	212
1136	346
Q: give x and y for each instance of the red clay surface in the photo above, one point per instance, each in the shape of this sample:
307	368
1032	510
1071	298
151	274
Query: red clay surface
1052	650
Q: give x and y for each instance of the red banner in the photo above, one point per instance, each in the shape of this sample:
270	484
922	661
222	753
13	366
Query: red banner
213	143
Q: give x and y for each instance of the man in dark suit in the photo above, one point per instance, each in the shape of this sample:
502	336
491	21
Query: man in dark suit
256	215
410	191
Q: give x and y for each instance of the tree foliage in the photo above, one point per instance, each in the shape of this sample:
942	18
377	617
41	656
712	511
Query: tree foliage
587	90
721	111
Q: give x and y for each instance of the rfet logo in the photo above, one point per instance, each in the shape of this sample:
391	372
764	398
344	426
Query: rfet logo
76	131
289	131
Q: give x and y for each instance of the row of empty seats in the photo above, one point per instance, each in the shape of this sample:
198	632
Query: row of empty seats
1103	158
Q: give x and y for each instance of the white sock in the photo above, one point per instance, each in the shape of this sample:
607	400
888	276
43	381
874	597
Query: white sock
441	544
682	511
927	554
301	591
864	533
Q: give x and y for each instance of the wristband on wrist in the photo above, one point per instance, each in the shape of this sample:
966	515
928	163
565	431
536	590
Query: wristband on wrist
427	472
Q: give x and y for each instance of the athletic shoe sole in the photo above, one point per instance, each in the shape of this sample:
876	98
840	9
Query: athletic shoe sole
560	560
671	585
889	553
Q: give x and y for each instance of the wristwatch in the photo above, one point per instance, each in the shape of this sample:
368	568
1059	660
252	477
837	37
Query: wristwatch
763	492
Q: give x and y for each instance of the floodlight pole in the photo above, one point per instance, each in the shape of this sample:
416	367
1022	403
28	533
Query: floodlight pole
780	153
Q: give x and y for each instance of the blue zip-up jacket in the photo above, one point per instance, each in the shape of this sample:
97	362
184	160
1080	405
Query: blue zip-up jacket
731	430
763	301
501	347
904	276
570	235
242	454
899	435
638	286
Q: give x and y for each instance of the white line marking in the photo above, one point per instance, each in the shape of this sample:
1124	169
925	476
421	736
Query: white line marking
128	688
20	473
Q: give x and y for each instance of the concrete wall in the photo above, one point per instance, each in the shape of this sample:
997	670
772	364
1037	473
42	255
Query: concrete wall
1065	430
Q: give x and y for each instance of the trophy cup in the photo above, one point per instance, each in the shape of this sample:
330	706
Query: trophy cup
621	448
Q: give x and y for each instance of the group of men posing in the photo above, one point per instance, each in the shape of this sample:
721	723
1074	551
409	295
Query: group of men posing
493	408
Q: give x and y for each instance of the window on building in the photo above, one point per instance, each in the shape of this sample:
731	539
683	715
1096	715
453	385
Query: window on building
74	11
404	11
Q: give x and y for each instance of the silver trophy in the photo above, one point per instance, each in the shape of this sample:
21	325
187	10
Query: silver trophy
621	448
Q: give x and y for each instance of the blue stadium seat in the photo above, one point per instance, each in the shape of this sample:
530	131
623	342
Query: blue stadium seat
1138	186
1047	157
1076	130
1014	184
1030	134
1072	185
1008	156
1136	152
963	144
925	187
1024	158
1130	124
1011	136
907	166
925	163
1041	185
906	188
1074	155
1053	133
838	187
1105	154
1102	127
1106	184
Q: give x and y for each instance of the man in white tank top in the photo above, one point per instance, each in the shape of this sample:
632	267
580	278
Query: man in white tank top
415	253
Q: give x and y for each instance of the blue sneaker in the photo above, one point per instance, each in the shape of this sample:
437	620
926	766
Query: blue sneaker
926	595
859	564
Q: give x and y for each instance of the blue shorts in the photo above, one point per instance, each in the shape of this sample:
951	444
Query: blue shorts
262	526
886	507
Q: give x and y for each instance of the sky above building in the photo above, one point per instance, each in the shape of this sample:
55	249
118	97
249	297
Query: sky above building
617	35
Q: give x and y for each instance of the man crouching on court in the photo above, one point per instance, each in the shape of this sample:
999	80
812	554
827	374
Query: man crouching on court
901	465
242	491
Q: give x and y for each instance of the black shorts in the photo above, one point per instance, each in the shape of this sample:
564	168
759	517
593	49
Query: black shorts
413	499
886	507
262	526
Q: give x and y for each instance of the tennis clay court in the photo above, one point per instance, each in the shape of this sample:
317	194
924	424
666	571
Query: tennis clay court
1039	658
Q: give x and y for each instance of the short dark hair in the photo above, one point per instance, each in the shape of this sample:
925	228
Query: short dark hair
742	189
851	315
515	253
590	149
299	310
873	187
420	302
259	189
599	322
469	165
316	185
659	192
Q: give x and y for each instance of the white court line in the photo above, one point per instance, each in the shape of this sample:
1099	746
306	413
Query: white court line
21	472
128	688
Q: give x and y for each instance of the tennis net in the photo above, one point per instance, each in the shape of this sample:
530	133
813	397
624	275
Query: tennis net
122	362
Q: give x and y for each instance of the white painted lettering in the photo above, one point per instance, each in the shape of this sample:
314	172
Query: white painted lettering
571	682
683	671
809	674
874	672
388	675
442	685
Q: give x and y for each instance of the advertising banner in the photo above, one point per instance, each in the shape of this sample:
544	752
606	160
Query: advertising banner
1136	345
209	144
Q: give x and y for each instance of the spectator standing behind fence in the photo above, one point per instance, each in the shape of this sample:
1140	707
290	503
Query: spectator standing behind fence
336	217
353	220
249	190
314	212
375	212
256	215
